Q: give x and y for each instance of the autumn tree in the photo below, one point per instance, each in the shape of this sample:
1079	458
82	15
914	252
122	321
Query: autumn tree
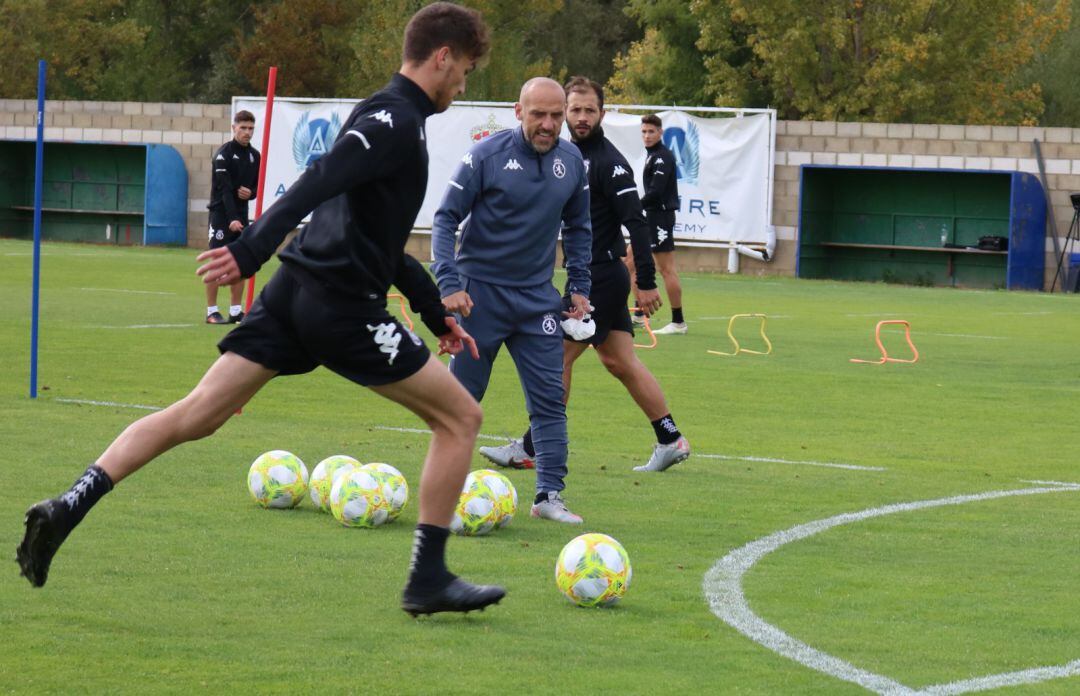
665	66
883	60
79	40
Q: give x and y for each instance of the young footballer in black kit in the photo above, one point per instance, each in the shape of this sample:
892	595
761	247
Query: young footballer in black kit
613	203
326	305
234	183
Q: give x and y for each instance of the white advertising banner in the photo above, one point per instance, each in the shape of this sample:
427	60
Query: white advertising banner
722	163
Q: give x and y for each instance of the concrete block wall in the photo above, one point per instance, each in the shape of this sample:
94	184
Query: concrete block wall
197	130
929	146
194	130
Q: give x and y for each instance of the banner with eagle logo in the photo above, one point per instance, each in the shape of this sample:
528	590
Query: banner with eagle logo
722	163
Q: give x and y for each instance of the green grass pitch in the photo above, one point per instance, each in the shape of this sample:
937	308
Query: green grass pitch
177	582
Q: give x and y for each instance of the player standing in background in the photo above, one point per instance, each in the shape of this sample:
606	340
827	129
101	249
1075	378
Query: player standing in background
234	183
660	201
326	305
516	188
613	204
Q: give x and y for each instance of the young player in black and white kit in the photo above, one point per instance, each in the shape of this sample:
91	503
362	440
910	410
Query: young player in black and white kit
235	182
613	203
326	305
661	201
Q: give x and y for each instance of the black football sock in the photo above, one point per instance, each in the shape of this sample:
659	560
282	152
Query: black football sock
676	315
427	570
666	430
84	493
527	443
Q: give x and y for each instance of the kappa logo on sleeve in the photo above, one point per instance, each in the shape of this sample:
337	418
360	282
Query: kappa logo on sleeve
383	116
467	159
618	171
388	338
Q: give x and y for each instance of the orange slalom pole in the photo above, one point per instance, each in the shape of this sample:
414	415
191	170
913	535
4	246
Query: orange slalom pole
268	115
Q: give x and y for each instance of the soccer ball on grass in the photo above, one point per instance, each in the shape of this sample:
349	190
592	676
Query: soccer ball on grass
277	479
593	570
325	474
358	499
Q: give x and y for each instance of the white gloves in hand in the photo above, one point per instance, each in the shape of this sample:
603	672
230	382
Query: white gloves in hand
579	329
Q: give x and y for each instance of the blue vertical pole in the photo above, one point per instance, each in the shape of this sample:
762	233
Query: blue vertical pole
39	165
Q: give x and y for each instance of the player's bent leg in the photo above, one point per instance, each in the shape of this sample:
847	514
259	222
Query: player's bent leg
229	383
454	418
618	356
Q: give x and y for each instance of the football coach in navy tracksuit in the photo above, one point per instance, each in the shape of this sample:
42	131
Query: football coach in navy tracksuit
518	188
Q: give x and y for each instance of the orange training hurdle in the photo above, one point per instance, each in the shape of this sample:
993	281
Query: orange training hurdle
648	330
734	342
884	353
404	313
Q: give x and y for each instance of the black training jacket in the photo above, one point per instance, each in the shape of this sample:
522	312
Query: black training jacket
365	194
614	203
235	165
661	189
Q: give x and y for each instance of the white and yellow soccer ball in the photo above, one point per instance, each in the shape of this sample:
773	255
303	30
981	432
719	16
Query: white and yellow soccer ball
505	495
395	487
477	511
357	499
593	570
325	474
277	479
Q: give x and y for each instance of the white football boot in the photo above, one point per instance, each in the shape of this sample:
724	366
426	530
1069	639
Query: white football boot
665	456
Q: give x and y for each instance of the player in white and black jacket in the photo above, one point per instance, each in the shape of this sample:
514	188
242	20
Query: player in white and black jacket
613	204
234	182
326	306
661	201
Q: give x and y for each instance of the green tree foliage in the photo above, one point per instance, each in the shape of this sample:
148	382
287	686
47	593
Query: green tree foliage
308	41
1056	71
582	37
664	67
947	61
79	39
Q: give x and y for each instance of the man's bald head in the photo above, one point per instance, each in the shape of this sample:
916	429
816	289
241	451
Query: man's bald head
541	108
539	87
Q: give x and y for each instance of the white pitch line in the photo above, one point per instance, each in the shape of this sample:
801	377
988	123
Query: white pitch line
722	586
132	292
90	402
772	460
421	431
145	326
952	335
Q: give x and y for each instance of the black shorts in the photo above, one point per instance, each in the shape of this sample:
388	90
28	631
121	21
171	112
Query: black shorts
610	289
292	331
661	229
219	234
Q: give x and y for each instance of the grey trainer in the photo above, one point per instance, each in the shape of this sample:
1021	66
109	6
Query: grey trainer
511	455
554	508
666	456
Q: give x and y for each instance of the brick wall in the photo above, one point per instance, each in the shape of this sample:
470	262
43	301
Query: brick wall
196	130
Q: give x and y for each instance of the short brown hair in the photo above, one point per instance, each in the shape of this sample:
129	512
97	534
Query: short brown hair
445	24
582	85
652	120
244	117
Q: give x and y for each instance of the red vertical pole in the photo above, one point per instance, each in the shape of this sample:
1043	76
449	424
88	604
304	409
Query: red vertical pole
268	116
